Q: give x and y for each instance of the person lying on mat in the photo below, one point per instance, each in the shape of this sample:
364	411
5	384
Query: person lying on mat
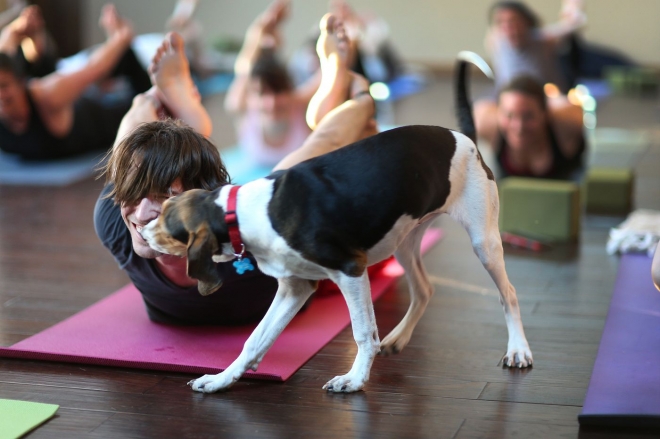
154	159
518	45
268	111
49	118
531	134
29	43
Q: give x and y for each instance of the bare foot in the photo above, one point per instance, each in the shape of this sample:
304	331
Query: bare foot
170	73
333	48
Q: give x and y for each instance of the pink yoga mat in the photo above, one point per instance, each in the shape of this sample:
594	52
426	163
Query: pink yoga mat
117	332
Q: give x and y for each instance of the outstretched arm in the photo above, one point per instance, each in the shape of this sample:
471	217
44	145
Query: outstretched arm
264	31
59	90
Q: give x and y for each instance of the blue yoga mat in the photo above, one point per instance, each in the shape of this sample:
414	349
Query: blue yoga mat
14	171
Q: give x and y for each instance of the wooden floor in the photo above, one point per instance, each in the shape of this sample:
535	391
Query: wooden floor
445	384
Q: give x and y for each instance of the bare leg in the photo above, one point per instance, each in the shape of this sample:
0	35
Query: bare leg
348	122
655	268
332	48
170	74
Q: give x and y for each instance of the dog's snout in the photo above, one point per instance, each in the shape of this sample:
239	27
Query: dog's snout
146	230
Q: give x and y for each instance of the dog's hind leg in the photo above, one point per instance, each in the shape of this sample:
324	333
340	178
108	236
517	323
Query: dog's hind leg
420	288
292	293
357	292
479	216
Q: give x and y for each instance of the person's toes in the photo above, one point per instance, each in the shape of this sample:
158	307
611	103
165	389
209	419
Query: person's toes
175	41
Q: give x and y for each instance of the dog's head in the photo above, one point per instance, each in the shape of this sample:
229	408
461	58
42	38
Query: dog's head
192	225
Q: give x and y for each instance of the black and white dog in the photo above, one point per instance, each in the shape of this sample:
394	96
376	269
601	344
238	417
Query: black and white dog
334	215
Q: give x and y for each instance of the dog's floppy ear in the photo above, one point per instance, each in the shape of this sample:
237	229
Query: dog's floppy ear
201	247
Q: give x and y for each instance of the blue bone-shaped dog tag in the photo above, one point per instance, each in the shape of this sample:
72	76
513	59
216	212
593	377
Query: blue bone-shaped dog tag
243	265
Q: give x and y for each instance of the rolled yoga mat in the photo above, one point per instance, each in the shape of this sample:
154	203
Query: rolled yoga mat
624	390
117	332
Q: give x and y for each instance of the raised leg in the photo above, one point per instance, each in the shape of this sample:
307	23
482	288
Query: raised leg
357	292
292	294
170	73
419	286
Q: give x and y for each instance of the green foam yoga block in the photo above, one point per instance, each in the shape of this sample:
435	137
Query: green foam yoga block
608	190
538	208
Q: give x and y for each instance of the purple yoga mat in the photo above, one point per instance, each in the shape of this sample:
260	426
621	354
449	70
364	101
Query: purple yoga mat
117	332
625	384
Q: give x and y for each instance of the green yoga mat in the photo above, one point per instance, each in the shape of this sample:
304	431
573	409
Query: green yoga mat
19	417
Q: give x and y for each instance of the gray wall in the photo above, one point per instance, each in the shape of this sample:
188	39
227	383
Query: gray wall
423	30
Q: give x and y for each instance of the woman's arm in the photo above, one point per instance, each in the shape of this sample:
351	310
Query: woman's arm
58	91
567	123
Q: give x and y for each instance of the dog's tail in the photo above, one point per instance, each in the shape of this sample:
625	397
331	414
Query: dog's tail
463	103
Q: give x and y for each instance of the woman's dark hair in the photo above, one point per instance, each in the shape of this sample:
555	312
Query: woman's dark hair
8	64
522	9
270	71
529	86
155	154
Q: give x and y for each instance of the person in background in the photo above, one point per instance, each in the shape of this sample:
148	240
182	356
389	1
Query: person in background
28	42
268	110
50	118
530	134
518	45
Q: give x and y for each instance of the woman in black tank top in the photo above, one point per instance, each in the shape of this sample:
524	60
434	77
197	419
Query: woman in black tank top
532	136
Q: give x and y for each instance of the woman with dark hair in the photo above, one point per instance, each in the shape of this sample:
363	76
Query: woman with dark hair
518	45
531	135
269	110
50	118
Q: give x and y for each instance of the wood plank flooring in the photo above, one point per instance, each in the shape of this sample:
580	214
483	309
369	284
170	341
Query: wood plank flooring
445	384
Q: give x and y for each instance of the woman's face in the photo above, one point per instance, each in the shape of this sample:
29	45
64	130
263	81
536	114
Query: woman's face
270	104
12	91
512	25
520	118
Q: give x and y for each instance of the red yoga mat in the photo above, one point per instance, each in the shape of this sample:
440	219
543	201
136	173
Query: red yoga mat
117	332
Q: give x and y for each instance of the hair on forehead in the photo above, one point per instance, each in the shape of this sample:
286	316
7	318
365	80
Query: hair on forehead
528	86
270	71
520	8
155	154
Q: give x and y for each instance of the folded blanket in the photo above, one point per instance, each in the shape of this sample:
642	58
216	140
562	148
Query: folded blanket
640	232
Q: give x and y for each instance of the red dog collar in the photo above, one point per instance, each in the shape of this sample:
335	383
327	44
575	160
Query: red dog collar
231	219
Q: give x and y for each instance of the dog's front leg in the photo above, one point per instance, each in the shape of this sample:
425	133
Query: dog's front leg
292	293
357	292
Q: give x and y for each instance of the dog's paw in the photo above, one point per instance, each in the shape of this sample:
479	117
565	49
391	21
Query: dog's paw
520	357
392	345
344	384
210	383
